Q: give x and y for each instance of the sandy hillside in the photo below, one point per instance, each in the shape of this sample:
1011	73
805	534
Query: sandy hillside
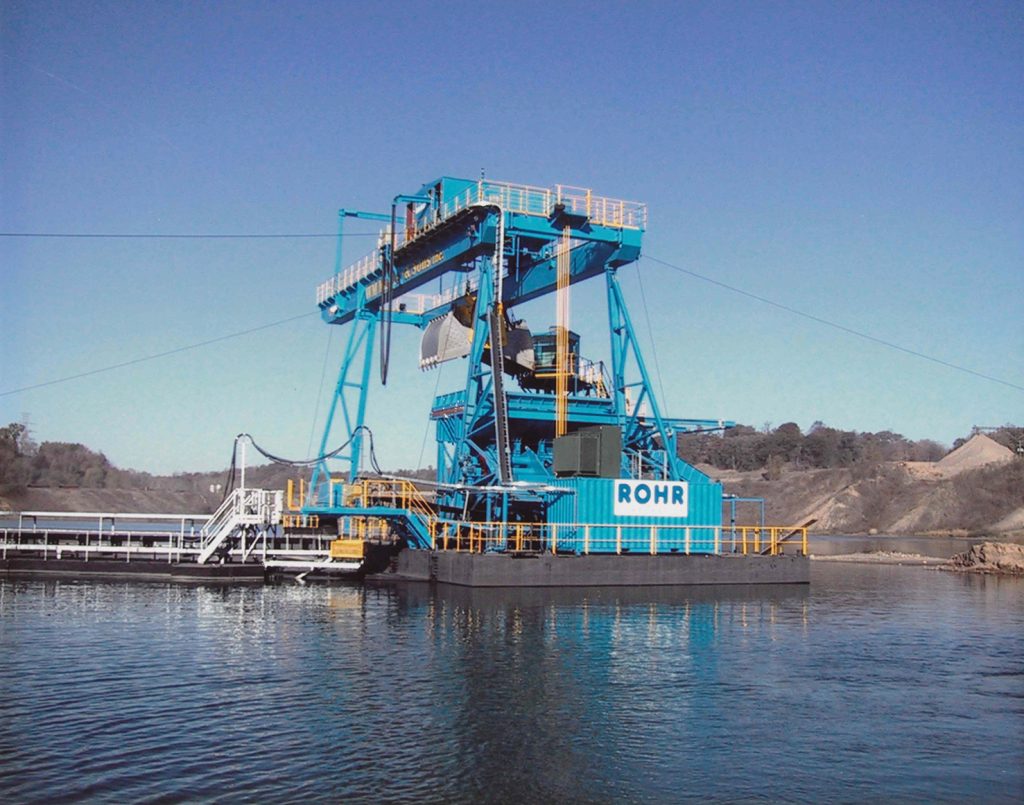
978	451
893	498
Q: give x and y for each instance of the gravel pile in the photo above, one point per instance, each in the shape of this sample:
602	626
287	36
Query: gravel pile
991	557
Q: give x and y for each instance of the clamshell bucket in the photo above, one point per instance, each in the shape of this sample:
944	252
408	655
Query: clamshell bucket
444	339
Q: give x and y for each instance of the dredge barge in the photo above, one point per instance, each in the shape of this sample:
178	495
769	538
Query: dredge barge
553	469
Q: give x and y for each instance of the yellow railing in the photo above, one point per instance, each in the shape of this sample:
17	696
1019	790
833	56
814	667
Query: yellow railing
294	504
387	493
368	529
517	198
611	212
584	538
394	493
589	538
300	520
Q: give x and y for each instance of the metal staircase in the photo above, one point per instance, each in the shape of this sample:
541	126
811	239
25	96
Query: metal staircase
243	508
396	501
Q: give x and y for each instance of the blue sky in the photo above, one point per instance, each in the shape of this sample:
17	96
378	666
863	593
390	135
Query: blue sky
862	162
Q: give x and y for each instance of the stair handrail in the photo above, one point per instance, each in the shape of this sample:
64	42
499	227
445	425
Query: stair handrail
226	511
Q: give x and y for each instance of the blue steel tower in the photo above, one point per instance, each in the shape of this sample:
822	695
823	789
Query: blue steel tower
537	440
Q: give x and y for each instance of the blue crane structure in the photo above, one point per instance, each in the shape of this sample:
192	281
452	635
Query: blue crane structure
581	456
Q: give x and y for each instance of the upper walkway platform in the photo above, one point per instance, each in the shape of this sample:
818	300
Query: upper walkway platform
459	196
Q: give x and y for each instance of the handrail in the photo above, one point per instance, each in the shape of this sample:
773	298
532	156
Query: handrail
224	512
585	538
514	198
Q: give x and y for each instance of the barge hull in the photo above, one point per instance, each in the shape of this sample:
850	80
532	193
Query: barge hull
546	570
141	570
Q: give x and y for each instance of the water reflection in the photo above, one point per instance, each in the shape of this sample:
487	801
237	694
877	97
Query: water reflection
873	683
584	684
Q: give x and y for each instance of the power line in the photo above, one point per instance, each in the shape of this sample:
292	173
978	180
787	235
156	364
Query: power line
836	325
157	355
169	352
680	269
184	236
650	333
320	391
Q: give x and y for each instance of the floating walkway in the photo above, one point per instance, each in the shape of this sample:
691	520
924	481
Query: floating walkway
248	539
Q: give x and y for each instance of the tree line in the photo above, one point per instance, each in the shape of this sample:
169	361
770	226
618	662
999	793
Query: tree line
23	463
746	448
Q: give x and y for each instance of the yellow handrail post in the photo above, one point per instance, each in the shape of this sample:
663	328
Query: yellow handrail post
554	537
803	541
743	532
654	540
586	540
519	536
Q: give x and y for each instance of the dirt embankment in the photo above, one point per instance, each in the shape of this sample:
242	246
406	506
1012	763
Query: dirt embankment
990	557
977	489
111	500
191	493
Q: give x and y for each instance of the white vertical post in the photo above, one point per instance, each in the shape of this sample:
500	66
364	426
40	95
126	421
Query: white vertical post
243	463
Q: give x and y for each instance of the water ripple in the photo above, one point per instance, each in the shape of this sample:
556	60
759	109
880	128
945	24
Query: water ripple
877	683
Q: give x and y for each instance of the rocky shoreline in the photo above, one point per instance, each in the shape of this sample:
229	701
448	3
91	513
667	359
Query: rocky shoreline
992	558
988	558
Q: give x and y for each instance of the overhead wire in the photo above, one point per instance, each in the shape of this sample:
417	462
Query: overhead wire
185	235
689	272
836	325
155	356
229	481
320	391
308	462
650	334
170	352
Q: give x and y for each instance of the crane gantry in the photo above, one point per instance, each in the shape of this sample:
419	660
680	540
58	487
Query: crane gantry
505	454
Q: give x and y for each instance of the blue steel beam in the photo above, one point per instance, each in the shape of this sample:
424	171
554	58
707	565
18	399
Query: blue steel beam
350	396
342	215
453	245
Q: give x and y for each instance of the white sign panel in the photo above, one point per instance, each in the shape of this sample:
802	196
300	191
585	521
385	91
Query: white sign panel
651	498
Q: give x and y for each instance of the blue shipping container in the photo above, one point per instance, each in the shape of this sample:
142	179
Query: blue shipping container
606	515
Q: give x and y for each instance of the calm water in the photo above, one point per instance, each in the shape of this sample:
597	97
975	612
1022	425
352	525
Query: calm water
875	683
